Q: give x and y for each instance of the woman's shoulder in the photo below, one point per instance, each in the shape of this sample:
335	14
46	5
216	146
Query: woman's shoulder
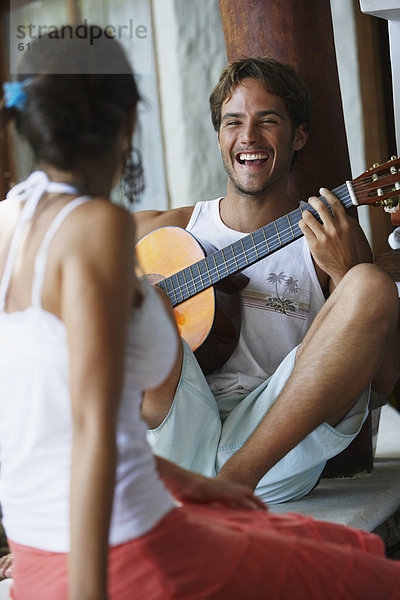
99	236
102	209
99	217
9	213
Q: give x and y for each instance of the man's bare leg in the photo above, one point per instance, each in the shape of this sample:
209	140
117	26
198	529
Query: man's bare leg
337	359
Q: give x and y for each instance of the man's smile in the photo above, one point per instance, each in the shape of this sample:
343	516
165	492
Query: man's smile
252	158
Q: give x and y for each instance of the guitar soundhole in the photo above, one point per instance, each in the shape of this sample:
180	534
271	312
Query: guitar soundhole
223	338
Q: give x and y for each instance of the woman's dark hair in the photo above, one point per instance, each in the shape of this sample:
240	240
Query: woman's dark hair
78	97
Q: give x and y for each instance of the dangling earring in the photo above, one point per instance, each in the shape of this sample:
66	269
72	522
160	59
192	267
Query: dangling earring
133	177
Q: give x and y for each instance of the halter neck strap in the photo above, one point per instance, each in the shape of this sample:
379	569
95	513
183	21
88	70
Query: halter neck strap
41	258
33	188
29	191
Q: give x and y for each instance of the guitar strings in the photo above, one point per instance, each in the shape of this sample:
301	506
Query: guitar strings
377	183
364	195
284	235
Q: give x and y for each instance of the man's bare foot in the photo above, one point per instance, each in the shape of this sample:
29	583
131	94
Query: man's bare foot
5	566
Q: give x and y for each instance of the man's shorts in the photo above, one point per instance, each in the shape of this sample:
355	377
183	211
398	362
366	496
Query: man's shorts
193	436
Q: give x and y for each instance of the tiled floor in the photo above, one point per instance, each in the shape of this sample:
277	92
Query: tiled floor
365	501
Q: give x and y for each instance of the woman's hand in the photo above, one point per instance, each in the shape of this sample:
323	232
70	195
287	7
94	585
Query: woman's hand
189	487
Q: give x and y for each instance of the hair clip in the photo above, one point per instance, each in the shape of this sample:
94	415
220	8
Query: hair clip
14	93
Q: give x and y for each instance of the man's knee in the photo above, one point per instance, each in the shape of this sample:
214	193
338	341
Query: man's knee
372	293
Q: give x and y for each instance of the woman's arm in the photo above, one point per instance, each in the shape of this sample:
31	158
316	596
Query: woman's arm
97	289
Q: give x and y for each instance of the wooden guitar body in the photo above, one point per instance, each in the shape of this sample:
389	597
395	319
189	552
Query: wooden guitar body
208	321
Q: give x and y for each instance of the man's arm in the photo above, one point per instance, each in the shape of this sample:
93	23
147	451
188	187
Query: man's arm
149	220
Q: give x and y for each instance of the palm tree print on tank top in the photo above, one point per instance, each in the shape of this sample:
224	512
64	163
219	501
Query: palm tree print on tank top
280	294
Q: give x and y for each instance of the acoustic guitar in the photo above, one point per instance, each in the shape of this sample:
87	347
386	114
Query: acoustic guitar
203	286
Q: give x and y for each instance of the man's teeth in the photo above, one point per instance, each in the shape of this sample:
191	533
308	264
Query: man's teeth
258	156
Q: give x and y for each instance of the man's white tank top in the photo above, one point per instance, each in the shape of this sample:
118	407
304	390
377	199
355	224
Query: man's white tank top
35	406
278	305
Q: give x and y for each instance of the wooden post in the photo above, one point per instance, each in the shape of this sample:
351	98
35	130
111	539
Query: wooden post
301	34
74	15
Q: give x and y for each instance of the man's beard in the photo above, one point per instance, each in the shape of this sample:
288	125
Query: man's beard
264	186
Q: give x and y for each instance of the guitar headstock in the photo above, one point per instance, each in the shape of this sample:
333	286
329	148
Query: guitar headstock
379	186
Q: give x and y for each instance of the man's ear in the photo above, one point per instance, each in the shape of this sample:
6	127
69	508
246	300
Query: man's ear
300	136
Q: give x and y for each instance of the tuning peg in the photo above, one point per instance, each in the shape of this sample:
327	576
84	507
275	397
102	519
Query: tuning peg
390	205
394	157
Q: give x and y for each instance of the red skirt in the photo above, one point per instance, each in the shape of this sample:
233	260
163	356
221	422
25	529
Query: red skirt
199	552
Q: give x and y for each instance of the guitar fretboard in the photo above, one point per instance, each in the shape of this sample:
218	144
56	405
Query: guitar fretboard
241	254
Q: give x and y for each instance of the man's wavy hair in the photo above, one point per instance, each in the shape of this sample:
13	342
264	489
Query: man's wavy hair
277	78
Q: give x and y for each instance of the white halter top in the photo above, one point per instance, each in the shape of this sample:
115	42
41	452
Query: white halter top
36	423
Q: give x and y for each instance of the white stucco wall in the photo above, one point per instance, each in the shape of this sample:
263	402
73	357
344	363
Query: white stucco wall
190	51
344	29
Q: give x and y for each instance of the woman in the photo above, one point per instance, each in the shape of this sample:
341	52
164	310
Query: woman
85	511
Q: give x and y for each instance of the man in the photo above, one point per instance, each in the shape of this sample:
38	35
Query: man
274	413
